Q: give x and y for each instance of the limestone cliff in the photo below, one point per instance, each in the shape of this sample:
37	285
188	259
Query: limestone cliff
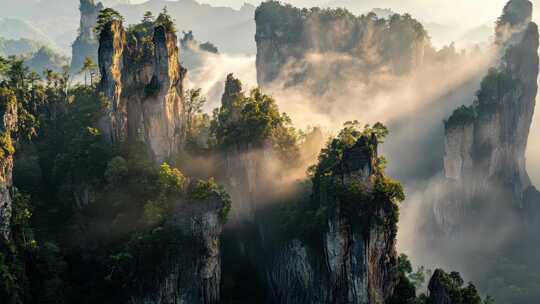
8	125
86	43
486	142
286	38
352	258
142	79
190	271
444	288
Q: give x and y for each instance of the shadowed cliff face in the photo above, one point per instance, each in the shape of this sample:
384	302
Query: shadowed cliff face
142	78
190	272
486	142
8	125
86	44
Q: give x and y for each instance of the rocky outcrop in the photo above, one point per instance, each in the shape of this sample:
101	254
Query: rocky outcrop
486	142
143	81
86	44
349	263
439	289
192	273
141	78
194	52
287	37
444	288
8	125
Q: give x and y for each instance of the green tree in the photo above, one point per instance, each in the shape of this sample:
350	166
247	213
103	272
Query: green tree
171	180
165	20
88	69
193	103
117	170
252	122
105	16
148	17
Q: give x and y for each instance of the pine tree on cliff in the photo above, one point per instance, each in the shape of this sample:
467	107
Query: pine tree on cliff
105	16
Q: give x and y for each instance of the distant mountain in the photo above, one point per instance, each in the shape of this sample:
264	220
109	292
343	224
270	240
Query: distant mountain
231	30
16	29
18	47
45	58
479	33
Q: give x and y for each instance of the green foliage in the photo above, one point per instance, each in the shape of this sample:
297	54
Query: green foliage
253	121
404	264
463	115
396	39
193	103
490	97
453	286
6	146
147	256
90	197
417	278
117	170
88	68
106	16
332	155
45	58
283	18
148	17
23	236
171	180
87	156
203	190
155	211
370	202
165	20
169	188
494	87
28	271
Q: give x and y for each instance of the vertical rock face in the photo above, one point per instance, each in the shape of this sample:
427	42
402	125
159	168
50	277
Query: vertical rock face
111	64
350	264
193	273
142	79
8	125
286	36
86	44
438	289
486	142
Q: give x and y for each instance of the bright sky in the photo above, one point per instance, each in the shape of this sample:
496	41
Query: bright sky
463	12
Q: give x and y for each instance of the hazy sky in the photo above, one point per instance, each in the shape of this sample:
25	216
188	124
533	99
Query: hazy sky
465	12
